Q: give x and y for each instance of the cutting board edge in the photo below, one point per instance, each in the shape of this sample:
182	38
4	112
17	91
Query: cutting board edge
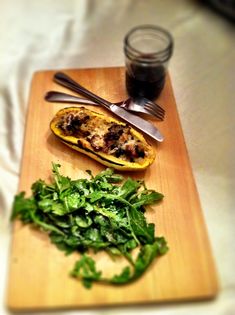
60	307
201	209
54	70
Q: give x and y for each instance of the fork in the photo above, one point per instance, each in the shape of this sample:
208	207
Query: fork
139	105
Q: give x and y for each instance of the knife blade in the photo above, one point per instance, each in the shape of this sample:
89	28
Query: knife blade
138	122
132	119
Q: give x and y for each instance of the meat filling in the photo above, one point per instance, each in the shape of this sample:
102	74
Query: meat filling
107	137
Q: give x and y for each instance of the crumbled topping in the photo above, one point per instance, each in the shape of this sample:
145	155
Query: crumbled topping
108	137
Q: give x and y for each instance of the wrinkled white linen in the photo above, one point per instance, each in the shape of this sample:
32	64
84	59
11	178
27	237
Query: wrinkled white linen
49	34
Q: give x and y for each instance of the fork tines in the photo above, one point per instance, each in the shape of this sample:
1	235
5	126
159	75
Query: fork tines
155	109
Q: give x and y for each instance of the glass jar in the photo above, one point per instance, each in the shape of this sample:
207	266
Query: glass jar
147	51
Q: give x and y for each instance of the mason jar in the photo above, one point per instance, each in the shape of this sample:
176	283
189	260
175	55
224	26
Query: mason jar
147	49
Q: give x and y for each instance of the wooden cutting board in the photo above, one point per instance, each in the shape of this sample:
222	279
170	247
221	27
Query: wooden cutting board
38	271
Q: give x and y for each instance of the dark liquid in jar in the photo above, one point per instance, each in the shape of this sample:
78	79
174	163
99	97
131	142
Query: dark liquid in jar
145	81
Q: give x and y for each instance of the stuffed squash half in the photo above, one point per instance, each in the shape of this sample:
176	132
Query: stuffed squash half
105	139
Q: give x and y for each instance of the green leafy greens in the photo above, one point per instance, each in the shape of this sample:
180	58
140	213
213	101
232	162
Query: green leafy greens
104	212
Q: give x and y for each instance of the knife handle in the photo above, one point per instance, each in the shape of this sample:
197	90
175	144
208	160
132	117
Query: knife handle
66	81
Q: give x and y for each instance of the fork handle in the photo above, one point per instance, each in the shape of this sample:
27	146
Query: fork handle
54	96
66	81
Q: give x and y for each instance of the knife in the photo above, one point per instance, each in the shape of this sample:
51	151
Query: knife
134	120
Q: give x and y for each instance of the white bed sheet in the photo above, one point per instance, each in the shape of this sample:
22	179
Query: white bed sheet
49	34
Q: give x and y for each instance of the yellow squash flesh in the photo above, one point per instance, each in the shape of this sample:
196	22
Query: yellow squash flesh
84	146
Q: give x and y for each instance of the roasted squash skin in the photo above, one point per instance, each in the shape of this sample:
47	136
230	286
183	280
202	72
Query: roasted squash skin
83	145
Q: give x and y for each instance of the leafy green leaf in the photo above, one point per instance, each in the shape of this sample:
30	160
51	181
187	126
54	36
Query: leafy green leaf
22	207
139	226
147	198
45	205
146	255
58	208
129	187
83	221
109	176
62	182
85	269
123	278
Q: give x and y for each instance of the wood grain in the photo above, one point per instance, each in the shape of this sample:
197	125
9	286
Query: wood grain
38	272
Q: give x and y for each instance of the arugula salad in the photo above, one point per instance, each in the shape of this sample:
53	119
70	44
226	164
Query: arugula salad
105	212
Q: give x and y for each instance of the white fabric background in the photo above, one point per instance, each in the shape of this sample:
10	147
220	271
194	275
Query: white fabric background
49	34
